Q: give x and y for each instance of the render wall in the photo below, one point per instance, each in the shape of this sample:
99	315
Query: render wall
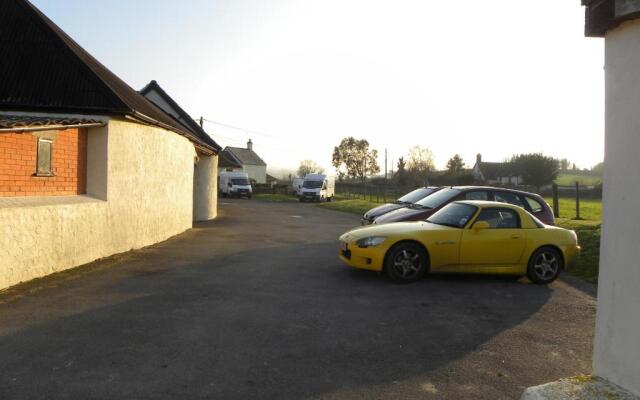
617	341
257	172
140	183
205	188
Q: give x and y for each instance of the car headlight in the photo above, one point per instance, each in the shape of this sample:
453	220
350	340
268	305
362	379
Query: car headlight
370	241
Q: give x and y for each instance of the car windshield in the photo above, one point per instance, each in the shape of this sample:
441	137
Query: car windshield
240	181
455	215
312	184
416	195
438	198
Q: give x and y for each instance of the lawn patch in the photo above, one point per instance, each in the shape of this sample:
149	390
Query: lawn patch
590	209
351	206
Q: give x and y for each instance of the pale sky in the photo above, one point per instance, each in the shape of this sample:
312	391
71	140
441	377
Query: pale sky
497	77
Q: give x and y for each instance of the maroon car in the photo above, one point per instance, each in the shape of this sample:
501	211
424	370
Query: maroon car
430	204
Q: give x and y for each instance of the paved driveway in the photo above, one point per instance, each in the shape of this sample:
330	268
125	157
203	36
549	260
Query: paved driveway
256	305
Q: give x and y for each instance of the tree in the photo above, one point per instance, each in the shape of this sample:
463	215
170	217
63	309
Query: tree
400	173
420	160
309	167
598	168
536	169
455	164
564	164
354	158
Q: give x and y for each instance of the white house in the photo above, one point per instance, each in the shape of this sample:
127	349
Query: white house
205	181
245	160
88	166
616	353
502	173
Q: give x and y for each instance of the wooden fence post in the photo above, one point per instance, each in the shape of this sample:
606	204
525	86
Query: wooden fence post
577	200
556	205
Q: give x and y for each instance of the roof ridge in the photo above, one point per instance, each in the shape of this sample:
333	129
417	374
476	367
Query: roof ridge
67	41
193	125
95	89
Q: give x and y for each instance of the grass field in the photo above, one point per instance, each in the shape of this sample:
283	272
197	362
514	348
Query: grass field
587	229
567	179
590	209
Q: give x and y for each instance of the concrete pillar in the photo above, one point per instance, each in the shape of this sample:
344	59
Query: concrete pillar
617	342
205	188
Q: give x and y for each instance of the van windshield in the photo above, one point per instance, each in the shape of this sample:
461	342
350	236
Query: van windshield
312	184
240	181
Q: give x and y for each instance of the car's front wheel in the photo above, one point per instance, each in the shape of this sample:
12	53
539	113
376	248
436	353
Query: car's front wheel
406	262
544	265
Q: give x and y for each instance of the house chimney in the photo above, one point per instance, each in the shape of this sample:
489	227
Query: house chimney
478	158
250	145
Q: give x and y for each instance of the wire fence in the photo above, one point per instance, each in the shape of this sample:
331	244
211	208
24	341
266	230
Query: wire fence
566	201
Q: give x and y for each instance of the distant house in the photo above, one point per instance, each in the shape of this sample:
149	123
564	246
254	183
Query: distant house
88	166
271	180
245	160
503	173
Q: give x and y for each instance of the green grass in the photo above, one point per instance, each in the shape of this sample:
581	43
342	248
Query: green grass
588	230
276	198
590	209
568	179
350	206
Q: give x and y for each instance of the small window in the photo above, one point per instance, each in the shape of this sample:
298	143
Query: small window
43	164
478	195
507	197
535	205
500	218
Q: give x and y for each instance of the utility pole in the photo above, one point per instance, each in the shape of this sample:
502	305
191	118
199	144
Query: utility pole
201	122
385	163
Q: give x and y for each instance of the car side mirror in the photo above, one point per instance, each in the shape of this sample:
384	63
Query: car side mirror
481	225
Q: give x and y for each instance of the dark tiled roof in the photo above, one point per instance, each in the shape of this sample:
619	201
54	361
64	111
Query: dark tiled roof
226	160
183	118
493	170
245	156
17	122
43	69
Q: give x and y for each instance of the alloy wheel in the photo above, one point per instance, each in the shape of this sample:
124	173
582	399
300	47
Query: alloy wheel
546	265
407	264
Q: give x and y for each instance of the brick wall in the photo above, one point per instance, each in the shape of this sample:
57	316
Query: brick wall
18	165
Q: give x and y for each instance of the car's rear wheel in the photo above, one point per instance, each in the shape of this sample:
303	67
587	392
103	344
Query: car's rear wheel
544	266
406	262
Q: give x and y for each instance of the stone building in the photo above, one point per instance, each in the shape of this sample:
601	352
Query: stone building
88	166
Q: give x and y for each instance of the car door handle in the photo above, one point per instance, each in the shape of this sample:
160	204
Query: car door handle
515	236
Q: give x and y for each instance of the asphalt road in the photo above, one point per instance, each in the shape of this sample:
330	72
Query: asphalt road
256	305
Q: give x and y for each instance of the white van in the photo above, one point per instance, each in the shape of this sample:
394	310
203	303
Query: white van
318	187
296	186
235	184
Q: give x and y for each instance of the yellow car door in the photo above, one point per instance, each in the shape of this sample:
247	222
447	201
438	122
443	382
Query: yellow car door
495	239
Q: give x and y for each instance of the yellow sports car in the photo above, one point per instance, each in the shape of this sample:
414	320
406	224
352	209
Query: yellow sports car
464	237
